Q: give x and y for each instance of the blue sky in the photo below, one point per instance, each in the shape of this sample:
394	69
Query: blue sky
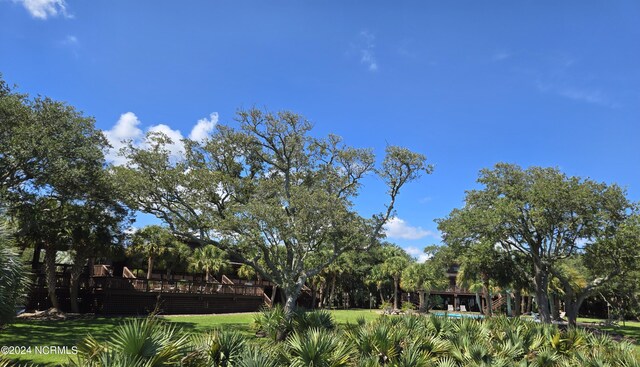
468	84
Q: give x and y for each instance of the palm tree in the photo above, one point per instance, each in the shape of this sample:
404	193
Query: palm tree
395	262
209	259
151	242
247	272
470	282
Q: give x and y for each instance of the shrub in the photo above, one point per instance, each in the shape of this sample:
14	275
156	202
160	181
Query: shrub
387	341
270	321
318	319
14	277
146	342
317	348
407	306
220	348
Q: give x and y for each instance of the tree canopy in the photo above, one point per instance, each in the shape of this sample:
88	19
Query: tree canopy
542	214
267	190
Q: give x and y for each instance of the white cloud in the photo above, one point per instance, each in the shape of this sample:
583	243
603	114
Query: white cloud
204	127
418	254
127	129
42	9
398	228
367	50
176	148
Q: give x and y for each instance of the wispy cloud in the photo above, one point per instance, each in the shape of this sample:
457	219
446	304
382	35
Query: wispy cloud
127	129
43	9
399	229
580	94
501	55
70	40
417	253
367	50
425	199
71	43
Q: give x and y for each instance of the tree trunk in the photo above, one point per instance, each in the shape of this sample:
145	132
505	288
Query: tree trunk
332	293
291	294
517	295
76	270
321	296
541	280
479	302
421	297
572	303
150	267
509	311
396	289
274	292
552	307
35	261
50	268
206	276
486	295
313	296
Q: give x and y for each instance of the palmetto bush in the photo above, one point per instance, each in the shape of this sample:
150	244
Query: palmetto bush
14	276
317	348
269	320
389	341
148	342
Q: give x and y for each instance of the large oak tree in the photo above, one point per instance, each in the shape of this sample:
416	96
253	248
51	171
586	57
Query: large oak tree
548	217
267	192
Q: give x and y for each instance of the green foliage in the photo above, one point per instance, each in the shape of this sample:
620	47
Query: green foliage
141	342
414	340
209	259
271	321
408	306
546	217
54	183
223	348
14	277
267	192
151	242
316	347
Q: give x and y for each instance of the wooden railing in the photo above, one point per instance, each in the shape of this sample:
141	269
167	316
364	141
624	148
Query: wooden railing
496	303
180	286
453	289
267	300
102	271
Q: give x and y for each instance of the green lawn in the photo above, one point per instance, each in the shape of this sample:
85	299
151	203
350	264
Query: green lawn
629	329
70	332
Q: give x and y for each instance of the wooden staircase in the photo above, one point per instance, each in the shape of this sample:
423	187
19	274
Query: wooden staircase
267	300
498	302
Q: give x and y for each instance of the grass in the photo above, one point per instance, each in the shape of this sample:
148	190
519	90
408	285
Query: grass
629	329
70	332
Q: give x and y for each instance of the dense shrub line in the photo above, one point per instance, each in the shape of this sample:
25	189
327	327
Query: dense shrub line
393	341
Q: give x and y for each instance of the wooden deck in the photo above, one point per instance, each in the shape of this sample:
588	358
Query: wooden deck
105	294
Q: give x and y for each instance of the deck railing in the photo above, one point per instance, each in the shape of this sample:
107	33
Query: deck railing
179	286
